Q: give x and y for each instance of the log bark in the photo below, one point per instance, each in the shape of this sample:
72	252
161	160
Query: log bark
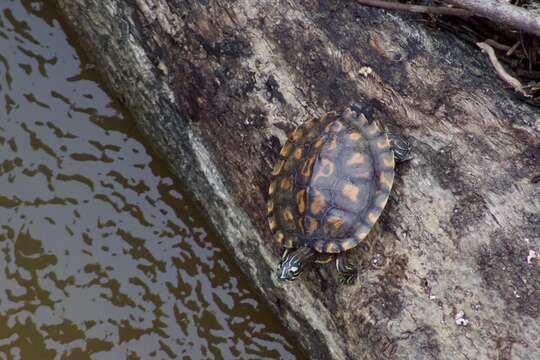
503	12
422	9
449	271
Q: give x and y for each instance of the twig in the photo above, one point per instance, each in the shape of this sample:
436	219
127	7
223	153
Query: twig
502	12
534	75
440	10
513	48
533	87
497	45
503	74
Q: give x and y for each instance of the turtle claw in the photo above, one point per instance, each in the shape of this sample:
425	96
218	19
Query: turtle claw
401	148
348	278
346	274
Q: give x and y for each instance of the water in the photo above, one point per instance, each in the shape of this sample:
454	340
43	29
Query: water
101	255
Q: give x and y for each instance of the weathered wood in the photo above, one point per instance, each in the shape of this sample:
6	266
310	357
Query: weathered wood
503	12
218	84
422	9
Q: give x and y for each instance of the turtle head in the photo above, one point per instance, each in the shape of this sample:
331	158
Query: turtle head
292	263
289	268
401	148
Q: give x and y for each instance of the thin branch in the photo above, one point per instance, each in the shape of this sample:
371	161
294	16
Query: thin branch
503	12
501	71
497	45
440	10
513	48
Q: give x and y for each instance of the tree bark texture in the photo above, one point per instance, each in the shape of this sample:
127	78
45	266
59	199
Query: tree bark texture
504	12
449	271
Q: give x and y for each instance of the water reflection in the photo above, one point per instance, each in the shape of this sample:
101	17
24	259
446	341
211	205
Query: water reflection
100	255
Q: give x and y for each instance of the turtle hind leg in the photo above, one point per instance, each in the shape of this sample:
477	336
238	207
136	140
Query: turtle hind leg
401	148
347	273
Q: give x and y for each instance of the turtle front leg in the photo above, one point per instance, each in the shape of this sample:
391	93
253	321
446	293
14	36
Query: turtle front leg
347	273
401	148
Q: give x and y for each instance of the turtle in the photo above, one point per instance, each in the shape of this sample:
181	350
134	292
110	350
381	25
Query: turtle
329	186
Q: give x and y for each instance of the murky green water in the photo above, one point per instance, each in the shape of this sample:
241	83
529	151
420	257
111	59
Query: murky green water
101	256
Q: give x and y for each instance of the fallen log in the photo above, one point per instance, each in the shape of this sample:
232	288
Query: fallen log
450	270
503	12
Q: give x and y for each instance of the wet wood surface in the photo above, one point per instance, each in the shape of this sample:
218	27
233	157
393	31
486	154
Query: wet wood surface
449	271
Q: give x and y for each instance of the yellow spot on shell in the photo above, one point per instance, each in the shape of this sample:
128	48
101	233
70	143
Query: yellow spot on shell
272	187
285	184
286	149
332	248
335	126
301	224
348	244
309	124
311	135
372	129
381	200
362	120
312	225
297	134
325	117
351	191
306	169
288	243
270	206
278	167
300	201
372	217
319	143
355	136
287	215
360	173
279	236
361	233
326	169
388	161
335	222
272	224
318	246
338	126
318	202
356	159
383	143
385	182
298	153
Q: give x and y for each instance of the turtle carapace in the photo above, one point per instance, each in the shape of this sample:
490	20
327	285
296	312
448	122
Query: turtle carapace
329	187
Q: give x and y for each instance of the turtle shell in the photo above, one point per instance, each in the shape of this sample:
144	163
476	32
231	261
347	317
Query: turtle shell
331	183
